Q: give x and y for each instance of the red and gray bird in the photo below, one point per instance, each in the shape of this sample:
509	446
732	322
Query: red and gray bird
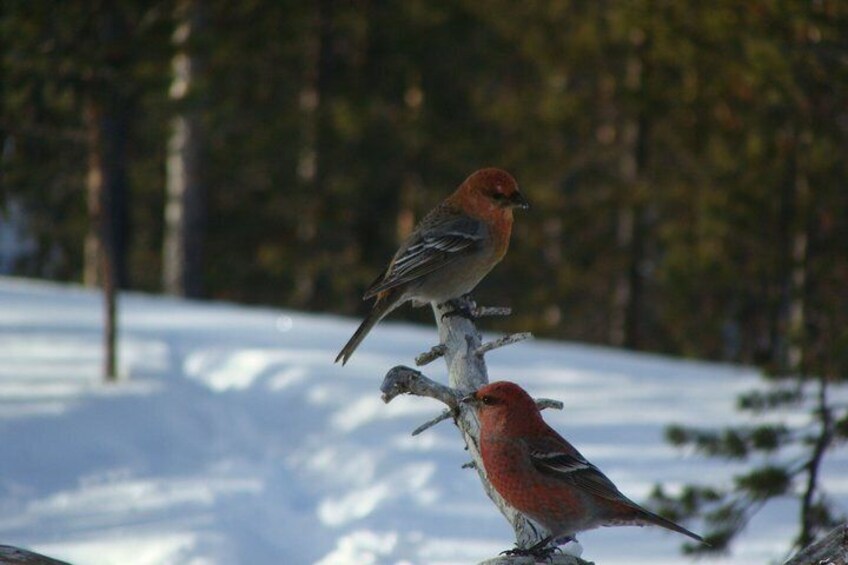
542	475
449	251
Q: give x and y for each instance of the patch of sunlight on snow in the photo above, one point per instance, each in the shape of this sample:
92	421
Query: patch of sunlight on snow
49	346
599	451
356	505
427	441
240	369
287	378
363	547
371	408
566	376
79	369
410	480
135	550
124	496
340	465
359	412
221	370
22	389
321	395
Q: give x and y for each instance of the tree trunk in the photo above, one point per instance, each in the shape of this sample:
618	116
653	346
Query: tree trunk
106	176
628	290
106	115
185	206
787	329
316	134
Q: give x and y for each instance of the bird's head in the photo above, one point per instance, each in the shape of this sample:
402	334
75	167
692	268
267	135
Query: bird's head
504	403
496	186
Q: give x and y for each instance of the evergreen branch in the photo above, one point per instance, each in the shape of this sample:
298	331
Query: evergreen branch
808	524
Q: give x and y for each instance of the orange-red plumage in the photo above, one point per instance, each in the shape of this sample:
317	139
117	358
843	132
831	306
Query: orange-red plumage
542	475
449	251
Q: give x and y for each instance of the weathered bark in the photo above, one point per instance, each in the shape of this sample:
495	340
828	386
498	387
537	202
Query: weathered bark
107	107
832	549
10	555
185	205
107	124
107	121
104	175
464	354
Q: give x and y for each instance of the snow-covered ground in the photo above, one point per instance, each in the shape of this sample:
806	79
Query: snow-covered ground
235	440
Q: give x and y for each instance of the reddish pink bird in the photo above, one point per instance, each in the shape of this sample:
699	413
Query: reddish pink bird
542	475
449	252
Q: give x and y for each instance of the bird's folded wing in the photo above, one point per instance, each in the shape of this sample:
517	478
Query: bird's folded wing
572	468
435	245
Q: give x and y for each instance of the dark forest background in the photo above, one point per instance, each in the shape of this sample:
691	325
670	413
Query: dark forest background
685	161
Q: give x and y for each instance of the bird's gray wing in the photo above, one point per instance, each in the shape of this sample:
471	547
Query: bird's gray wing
439	241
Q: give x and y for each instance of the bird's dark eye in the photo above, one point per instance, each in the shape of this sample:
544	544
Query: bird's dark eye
499	196
487	400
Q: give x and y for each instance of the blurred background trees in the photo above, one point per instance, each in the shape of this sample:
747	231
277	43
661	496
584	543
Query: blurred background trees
686	161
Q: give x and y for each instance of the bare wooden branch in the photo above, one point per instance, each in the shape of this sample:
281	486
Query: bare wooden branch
469	305
404	380
543	403
482	311
446	415
832	549
10	555
429	356
501	342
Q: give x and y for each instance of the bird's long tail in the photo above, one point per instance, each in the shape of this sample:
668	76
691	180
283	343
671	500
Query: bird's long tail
651	518
386	302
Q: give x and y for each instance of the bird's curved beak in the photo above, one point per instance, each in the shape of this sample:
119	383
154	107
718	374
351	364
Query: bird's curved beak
517	200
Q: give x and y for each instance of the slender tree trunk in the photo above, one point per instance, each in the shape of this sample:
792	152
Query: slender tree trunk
106	114
185	206
787	328
108	194
628	289
799	280
315	133
106	124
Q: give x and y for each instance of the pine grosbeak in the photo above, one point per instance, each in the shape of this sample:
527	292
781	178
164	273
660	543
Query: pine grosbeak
449	251
542	475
